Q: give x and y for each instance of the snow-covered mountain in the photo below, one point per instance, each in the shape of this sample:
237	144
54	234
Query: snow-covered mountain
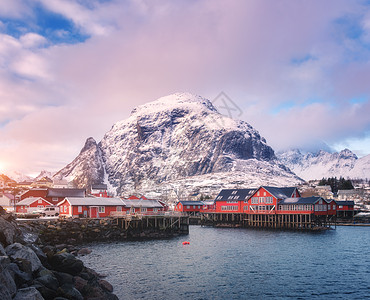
312	166
178	142
19	176
43	174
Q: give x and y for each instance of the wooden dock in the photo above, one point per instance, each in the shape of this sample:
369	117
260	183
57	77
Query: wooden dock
273	221
167	222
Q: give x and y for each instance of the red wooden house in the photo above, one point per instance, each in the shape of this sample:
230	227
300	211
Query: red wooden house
307	205
189	207
90	207
265	199
99	190
345	209
31	204
232	200
142	205
54	195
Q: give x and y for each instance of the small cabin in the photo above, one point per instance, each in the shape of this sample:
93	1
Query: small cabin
190	207
90	207
31	204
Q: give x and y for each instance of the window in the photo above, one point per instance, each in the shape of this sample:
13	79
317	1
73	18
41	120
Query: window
254	200
269	200
101	209
40	206
229	207
54	199
39	201
155	209
264	193
119	208
188	206
143	209
80	209
194	206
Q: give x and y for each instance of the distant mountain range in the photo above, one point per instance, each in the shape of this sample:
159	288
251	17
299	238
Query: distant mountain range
312	166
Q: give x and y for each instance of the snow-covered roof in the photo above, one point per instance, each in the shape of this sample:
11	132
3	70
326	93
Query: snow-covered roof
30	200
93	201
142	203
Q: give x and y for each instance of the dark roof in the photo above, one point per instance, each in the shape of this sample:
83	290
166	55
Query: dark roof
53	192
280	192
234	194
100	186
350	203
301	200
191	202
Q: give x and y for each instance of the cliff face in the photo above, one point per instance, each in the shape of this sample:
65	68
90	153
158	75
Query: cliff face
87	168
174	138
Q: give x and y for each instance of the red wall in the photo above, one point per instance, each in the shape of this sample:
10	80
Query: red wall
35	204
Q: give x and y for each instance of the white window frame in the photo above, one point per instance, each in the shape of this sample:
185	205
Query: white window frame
101	209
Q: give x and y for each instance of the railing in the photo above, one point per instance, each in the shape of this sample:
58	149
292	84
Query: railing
124	214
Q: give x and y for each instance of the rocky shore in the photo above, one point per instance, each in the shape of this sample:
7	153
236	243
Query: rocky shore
34	269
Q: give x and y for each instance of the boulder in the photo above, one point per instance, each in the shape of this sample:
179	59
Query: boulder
19	276
81	284
106	285
63	278
84	251
18	251
70	292
49	281
30	293
8	287
2	251
8	231
66	263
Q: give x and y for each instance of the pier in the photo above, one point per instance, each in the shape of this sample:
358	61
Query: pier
273	221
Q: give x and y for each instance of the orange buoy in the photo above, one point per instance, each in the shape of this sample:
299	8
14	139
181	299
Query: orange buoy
186	243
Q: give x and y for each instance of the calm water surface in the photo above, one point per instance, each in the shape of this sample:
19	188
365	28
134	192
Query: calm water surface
240	264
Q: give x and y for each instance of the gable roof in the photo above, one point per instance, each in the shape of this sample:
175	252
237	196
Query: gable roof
302	200
146	203
234	194
350	203
190	202
60	192
280	192
92	201
30	200
100	186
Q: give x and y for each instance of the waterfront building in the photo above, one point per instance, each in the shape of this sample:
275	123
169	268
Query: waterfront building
90	207
192	208
54	195
30	204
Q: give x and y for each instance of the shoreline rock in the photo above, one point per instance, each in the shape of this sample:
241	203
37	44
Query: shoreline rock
30	270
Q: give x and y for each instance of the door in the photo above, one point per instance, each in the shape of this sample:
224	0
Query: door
93	212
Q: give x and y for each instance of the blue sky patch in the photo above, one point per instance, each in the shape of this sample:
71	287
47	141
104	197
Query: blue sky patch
54	27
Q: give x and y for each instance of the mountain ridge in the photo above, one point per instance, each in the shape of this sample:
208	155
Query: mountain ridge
173	138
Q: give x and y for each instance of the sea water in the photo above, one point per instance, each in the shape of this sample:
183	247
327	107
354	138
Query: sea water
230	263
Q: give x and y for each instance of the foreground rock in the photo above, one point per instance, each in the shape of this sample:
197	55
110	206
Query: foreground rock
49	272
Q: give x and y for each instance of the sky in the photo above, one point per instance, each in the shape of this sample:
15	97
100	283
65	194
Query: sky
298	71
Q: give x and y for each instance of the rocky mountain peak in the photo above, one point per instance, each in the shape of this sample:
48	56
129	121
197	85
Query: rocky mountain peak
89	144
